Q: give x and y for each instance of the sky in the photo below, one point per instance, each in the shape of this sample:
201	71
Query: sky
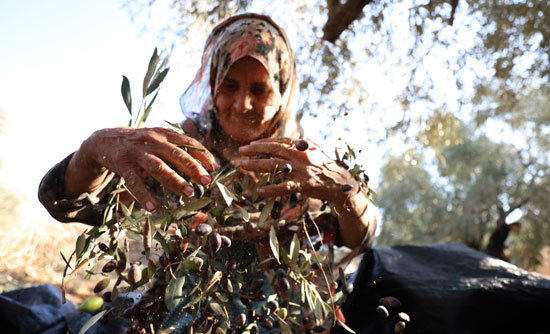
61	69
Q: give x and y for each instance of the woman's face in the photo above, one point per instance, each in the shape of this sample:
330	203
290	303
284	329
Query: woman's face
245	101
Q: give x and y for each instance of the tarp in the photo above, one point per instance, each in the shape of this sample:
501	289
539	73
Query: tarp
446	288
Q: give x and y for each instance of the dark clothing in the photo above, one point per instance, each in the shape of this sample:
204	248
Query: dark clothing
51	193
496	242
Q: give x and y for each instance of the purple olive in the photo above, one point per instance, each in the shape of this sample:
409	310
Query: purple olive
390	301
284	284
134	274
273	305
302	145
109	266
257	284
226	241
240	320
103	247
203	229
215	241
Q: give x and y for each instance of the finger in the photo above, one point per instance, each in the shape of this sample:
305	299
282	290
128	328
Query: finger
263	165
285	188
282	140
273	149
166	176
186	163
138	189
194	148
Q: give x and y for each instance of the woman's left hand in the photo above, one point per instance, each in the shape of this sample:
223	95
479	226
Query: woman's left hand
315	175
312	173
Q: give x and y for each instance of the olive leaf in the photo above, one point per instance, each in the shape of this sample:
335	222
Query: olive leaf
88	324
150	71
126	93
173	293
228	196
274	243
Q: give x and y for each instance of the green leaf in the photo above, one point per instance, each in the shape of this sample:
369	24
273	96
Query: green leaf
244	213
265	212
80	244
228	196
173	293
217	309
158	237
95	318
150	71
294	251
143	117
191	205
157	80
176	127
126	93
274	243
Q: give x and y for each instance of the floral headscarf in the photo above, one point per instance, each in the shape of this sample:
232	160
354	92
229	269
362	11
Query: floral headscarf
247	35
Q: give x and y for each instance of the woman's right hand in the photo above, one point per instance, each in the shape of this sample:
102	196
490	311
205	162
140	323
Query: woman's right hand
133	153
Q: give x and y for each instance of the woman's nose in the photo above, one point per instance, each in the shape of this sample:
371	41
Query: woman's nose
243	102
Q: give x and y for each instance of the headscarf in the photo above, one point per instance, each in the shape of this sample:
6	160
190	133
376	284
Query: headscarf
246	35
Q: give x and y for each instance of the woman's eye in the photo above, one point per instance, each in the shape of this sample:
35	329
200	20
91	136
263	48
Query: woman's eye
229	86
258	90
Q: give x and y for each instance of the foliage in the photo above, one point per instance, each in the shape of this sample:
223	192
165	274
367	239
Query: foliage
192	256
470	186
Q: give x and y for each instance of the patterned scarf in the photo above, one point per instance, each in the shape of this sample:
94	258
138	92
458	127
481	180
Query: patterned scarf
247	35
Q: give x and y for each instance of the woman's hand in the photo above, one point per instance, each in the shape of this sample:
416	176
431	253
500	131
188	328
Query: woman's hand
314	175
135	153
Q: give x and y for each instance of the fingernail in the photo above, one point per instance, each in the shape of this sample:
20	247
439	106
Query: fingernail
188	190
215	166
205	179
150	206
242	148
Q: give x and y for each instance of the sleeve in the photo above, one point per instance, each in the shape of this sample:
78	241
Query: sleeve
51	193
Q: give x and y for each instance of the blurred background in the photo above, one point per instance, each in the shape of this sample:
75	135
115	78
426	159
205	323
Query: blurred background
445	103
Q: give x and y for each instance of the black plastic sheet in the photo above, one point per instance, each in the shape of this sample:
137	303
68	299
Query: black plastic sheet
446	288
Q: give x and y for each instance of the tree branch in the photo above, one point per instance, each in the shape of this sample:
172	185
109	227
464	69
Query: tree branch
340	16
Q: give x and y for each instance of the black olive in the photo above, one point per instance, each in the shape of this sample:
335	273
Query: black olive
226	241
302	145
347	187
347	288
109	266
215	241
286	169
198	190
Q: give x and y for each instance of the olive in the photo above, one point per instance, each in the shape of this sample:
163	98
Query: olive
273	305
109	266
302	145
215	241
286	169
91	304
254	330
193	263
103	247
280	272
226	241
257	284
382	311
284	284
203	229
241	320
399	327
121	264
319	329
267	324
198	190
390	301
282	312
276	210
347	288
134	274
101	285
347	187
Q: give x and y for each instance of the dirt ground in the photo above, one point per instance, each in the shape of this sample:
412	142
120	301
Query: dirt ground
30	255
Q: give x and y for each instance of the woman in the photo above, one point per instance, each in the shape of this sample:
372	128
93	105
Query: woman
242	103
240	106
